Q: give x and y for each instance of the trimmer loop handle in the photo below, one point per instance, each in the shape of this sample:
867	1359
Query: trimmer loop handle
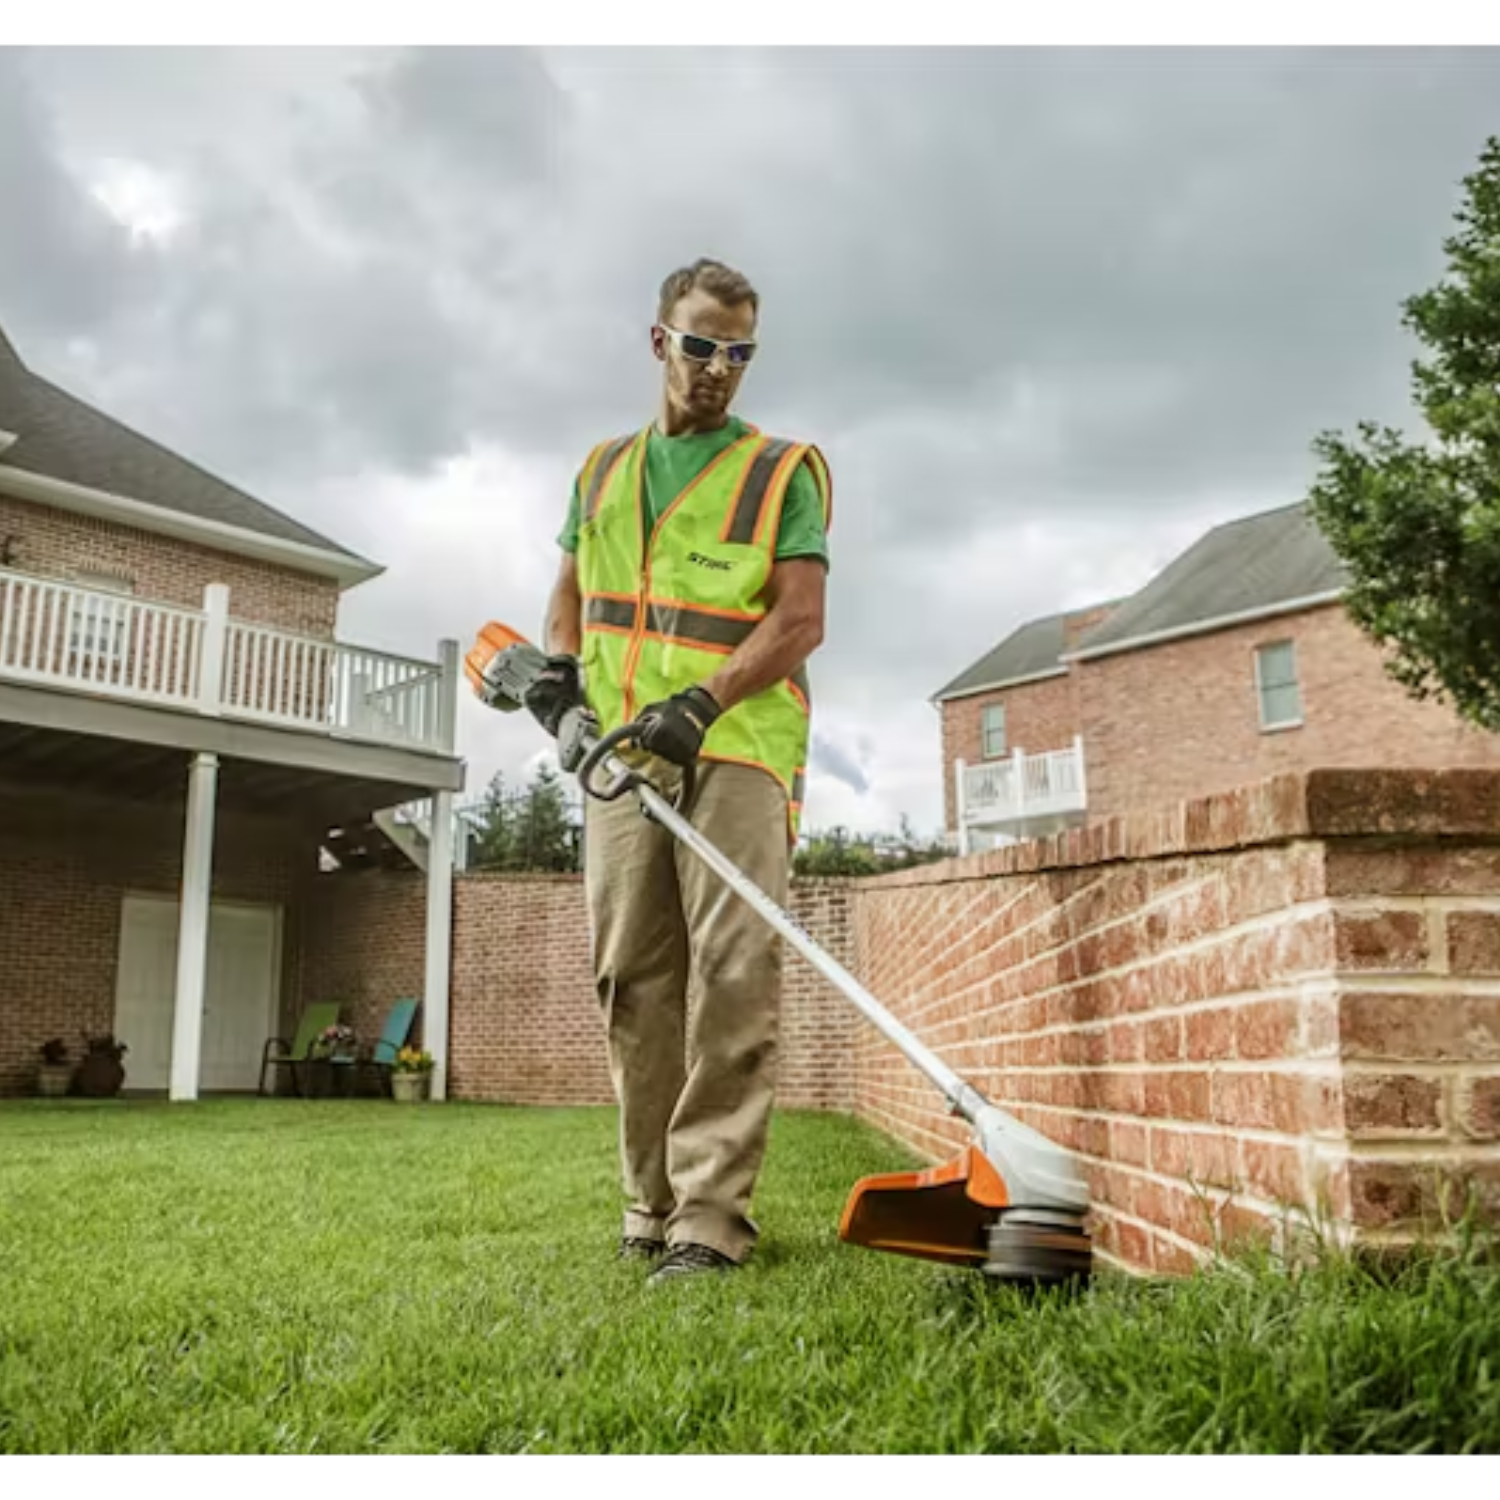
625	778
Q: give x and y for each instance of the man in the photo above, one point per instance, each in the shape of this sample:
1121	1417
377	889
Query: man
691	591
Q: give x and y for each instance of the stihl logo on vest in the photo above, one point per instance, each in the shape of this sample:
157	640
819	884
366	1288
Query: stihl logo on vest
722	565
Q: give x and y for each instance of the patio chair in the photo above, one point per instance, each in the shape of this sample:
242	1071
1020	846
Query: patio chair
316	1018
392	1039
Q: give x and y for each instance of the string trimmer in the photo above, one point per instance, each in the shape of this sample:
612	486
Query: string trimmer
1012	1203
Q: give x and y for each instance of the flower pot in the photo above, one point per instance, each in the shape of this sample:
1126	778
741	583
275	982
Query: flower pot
100	1075
54	1079
410	1088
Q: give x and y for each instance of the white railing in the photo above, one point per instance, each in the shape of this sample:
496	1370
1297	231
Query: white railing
1021	787
60	635
56	633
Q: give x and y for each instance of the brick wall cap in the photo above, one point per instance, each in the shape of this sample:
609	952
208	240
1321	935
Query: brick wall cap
1323	803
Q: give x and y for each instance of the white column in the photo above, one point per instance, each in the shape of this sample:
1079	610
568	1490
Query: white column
439	940
1083	791
1018	775
192	930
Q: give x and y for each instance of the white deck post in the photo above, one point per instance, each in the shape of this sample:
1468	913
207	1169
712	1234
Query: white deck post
192	932
448	684
439	953
1083	792
960	806
215	644
1018	776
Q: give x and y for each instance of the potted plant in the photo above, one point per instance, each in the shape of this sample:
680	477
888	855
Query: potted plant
411	1075
335	1043
101	1073
56	1073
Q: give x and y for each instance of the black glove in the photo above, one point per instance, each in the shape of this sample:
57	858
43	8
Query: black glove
674	728
558	687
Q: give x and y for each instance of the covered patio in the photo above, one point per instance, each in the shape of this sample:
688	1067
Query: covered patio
159	881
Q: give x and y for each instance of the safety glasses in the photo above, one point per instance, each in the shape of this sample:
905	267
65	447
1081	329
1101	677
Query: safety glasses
701	350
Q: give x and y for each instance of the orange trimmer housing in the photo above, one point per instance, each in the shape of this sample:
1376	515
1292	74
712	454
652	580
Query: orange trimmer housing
943	1213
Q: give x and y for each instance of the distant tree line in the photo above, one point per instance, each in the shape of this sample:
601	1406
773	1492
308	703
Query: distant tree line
537	828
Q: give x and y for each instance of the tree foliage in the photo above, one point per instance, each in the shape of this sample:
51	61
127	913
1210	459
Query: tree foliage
837	851
532	829
1418	525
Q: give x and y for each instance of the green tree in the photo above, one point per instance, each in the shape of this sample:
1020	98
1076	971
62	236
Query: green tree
839	852
1418	525
530	829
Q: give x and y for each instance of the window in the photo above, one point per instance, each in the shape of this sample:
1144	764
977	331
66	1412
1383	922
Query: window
992	731
1276	685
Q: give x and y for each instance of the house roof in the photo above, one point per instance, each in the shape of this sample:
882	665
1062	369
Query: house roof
1241	568
1245	567
1032	650
60	437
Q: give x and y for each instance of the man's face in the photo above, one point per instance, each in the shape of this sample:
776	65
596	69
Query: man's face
704	390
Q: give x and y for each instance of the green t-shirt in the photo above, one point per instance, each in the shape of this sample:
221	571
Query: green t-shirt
672	463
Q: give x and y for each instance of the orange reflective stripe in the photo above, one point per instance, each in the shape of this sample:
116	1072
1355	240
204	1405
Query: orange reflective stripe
819	465
610	457
801	689
744	516
770	511
747	440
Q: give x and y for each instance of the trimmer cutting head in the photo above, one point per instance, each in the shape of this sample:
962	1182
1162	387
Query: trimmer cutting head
959	1213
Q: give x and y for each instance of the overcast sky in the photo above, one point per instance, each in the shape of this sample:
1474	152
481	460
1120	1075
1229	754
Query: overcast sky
1048	313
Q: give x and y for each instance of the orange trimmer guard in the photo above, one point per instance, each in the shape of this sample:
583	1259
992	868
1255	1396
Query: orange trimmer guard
943	1213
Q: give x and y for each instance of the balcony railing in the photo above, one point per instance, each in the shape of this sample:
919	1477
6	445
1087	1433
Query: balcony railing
1006	795
58	634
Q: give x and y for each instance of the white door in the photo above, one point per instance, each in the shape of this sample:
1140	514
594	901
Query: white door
145	982
243	956
240	991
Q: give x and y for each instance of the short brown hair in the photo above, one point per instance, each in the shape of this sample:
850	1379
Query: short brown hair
717	279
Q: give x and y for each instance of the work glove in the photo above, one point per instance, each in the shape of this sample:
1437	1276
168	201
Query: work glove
558	688
673	729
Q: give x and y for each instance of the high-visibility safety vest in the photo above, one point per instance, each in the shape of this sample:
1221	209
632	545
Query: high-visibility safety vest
662	611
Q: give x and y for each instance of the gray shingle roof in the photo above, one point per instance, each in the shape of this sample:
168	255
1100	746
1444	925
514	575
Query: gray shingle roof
61	437
1031	649
1277	557
1255	563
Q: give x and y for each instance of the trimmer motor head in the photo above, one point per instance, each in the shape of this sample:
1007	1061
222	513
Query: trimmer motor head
1038	1254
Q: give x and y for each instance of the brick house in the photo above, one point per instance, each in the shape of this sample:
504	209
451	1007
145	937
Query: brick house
1236	662
186	749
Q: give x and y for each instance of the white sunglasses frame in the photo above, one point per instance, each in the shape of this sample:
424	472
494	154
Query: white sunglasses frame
676	335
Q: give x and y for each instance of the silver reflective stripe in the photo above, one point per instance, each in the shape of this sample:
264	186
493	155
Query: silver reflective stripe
601	473
618	614
697	627
752	497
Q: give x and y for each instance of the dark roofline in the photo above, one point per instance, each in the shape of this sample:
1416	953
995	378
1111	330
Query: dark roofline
348	565
948	693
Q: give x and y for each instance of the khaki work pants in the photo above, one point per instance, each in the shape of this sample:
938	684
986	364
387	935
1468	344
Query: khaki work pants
689	979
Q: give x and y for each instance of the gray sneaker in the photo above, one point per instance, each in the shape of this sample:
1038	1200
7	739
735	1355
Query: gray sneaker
691	1260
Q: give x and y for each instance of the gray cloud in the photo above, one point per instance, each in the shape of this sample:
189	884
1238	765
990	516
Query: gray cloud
834	760
1044	310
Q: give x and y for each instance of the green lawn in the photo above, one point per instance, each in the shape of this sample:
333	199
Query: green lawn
352	1277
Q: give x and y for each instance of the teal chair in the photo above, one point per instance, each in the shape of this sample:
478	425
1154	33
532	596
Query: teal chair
393	1037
